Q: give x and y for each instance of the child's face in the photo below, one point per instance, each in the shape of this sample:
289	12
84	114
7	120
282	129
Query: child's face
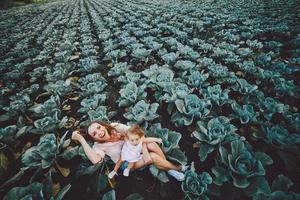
134	139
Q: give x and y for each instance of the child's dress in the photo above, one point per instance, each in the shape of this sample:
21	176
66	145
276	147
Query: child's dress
131	153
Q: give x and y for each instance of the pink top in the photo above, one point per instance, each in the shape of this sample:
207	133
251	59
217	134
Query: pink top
112	149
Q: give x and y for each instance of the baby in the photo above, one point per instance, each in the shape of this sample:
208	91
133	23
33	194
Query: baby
132	149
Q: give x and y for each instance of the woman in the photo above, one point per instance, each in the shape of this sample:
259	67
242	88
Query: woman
109	139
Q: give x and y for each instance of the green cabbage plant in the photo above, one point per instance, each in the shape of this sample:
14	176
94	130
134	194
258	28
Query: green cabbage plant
172	92
115	54
197	79
196	185
118	69
280	137
131	76
219	72
37	190
244	87
49	107
142	113
171	42
170	58
7	134
91	103
149	41
31	191
88	64
248	67
158	76
216	95
141	53
60	72
213	133
293	119
92	84
187	52
48	124
131	93
59	88
246	113
280	190
15	108
246	169
189	108
18	103
100	113
43	154
269	106
185	65
285	87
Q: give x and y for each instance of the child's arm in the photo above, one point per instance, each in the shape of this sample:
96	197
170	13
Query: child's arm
152	139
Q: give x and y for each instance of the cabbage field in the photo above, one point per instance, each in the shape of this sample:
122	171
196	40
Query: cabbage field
217	80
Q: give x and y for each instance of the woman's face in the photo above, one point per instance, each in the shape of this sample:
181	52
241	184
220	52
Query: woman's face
98	132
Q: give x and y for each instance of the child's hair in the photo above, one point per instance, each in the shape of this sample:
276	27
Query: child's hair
135	130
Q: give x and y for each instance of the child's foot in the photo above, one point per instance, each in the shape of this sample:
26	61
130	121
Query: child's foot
112	174
179	176
126	172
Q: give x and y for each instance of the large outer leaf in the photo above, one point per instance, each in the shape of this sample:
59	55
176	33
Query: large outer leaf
134	196
161	175
34	189
110	195
177	155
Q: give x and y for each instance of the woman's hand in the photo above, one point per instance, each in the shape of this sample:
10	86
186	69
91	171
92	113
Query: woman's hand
76	136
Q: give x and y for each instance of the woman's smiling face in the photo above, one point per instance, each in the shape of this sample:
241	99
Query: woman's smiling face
98	132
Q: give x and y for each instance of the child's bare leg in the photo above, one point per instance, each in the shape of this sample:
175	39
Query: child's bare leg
129	167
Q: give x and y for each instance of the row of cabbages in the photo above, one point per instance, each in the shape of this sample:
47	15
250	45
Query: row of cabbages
207	73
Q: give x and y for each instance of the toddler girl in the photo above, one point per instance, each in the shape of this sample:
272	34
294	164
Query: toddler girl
132	149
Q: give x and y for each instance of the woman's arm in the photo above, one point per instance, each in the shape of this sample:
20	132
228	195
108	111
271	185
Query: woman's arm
152	139
90	153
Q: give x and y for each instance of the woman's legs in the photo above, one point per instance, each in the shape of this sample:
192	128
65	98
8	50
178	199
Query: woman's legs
159	162
153	147
162	163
